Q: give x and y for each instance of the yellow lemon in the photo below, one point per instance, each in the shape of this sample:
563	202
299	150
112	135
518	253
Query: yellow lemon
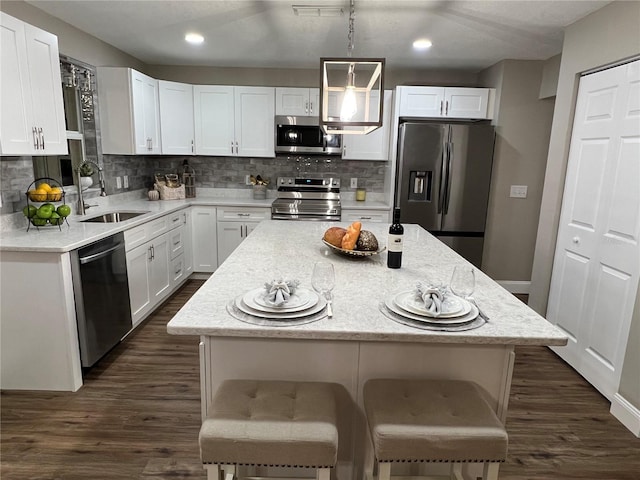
45	186
38	195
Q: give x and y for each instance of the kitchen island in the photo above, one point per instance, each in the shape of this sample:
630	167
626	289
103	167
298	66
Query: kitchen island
358	342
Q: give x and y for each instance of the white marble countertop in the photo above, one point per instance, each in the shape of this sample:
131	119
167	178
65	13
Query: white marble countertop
77	233
273	251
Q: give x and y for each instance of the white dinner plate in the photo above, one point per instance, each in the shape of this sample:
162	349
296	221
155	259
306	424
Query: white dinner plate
452	306
280	315
469	317
301	299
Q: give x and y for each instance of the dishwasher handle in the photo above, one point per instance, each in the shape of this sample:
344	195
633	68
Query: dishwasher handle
99	255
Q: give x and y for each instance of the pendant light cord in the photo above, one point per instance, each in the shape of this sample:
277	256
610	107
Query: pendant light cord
352	14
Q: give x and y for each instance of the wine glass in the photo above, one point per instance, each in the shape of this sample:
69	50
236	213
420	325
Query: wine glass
323	279
463	281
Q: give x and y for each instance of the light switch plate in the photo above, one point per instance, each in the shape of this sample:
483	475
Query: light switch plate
118	182
518	191
125	180
354	183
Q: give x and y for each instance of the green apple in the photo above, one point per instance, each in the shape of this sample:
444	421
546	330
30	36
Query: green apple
64	210
39	222
56	219
29	211
45	211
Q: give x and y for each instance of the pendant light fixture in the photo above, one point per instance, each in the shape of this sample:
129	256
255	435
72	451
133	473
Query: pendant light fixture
352	91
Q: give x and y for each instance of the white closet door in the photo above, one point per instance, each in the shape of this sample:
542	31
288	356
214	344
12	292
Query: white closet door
597	259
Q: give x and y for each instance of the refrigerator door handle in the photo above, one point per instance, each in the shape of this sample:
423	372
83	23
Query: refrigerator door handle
444	176
447	194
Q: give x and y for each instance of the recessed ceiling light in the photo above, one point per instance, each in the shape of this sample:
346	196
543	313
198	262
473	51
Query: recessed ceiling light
422	44
194	38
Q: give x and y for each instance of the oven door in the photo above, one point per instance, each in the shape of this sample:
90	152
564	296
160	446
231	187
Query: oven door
306	209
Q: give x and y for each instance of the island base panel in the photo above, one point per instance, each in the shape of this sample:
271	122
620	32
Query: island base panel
351	364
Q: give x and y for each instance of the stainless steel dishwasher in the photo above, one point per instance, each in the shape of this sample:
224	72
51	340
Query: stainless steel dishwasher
101	292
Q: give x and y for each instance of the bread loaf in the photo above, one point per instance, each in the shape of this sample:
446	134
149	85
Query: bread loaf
351	237
367	241
334	236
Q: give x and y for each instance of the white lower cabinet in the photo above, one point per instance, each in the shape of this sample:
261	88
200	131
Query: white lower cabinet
204	239
234	225
148	271
155	261
365	216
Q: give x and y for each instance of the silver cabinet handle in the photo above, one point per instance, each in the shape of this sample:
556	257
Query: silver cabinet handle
441	107
34	132
150	257
232	147
191	146
237	148
365	218
41	135
244	214
446	108
311	108
306	107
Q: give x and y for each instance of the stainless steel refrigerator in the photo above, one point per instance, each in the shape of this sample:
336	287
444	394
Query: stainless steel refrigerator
443	178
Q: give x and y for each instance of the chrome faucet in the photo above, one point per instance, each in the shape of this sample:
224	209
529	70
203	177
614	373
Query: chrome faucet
103	193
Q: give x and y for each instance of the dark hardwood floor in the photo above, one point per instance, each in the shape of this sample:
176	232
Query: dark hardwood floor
138	416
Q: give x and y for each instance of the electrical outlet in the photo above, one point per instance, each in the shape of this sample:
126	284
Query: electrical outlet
247	179
518	191
125	180
118	182
354	183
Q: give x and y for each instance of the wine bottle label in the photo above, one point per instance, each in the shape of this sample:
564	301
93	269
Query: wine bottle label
394	244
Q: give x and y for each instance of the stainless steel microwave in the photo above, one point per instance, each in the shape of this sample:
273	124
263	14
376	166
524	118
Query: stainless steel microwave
304	135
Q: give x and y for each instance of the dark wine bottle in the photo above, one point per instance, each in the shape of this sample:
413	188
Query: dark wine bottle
394	243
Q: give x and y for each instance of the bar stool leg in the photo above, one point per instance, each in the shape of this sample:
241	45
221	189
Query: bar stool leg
490	471
213	472
323	474
456	470
384	471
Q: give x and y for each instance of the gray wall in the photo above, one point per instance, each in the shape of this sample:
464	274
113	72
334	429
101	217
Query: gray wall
523	124
606	36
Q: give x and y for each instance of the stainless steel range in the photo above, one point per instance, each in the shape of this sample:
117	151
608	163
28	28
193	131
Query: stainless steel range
307	198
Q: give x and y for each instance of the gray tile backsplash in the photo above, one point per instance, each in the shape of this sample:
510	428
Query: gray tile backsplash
16	173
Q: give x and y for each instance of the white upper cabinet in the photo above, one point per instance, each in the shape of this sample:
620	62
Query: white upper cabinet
375	145
129	112
32	110
176	117
300	102
444	102
234	121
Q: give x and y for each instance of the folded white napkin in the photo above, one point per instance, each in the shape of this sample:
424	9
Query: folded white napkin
432	296
279	291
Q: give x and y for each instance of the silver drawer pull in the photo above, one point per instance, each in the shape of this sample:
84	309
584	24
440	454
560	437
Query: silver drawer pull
365	218
244	214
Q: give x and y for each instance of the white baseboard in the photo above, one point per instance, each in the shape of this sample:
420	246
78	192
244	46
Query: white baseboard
626	413
515	286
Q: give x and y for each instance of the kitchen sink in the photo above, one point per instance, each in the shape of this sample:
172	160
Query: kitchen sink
113	217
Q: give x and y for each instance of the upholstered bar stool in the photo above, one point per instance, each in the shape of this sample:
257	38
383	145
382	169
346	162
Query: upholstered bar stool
433	421
270	423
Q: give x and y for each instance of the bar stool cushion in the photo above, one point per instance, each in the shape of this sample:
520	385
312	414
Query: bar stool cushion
274	423
433	421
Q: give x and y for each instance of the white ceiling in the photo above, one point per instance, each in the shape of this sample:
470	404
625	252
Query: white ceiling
266	33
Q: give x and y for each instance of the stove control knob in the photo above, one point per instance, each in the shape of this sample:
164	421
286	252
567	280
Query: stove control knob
290	181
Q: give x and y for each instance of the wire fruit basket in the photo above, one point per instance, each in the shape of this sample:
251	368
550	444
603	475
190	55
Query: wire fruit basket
41	210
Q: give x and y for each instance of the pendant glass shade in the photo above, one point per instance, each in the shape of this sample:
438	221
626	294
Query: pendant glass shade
351	94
